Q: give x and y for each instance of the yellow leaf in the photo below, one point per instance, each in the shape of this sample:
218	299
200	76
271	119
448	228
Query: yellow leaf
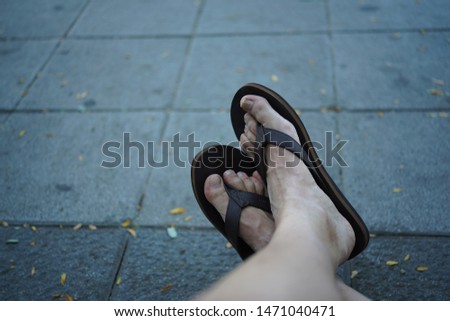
228	245
32	243
132	232
33	228
274	78
391	263
436	92
396	190
33	271
407	257
119	280
63	278
380	114
187	218
354	274
68	297
177	210
167	287
421	268
77	227
92	227
22	133
126	223
56	296
81	95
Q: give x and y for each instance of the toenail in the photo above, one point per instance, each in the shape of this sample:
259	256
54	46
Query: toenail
246	102
228	172
214	181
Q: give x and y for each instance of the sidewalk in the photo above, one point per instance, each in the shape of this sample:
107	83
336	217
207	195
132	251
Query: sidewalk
76	74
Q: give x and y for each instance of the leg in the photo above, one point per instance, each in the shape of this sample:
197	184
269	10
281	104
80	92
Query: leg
311	239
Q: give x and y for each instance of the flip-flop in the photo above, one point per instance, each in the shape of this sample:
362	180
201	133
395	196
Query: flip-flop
216	160
311	159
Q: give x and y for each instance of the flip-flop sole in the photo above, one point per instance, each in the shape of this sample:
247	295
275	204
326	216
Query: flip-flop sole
216	160
327	185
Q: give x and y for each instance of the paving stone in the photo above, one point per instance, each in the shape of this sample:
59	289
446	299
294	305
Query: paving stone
26	19
109	74
170	186
31	263
298	67
394	71
51	166
19	63
388	14
402	282
136	17
258	16
156	267
397	174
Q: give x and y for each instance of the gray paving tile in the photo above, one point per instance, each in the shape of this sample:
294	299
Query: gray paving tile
388	14
402	282
296	66
136	17
28	18
156	267
31	269
170	187
19	63
397	174
51	166
109	74
236	16
393	70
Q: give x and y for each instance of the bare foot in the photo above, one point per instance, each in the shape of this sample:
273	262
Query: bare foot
256	226
294	195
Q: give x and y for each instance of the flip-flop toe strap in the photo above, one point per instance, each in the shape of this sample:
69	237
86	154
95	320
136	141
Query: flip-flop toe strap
238	200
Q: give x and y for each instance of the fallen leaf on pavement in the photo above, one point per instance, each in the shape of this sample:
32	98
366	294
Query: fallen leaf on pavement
391	263
92	227
126	223
435	92
396	190
421	268
228	245
132	232
443	115
354	274
22	133
274	78
177	210
172	232
77	227
33	271
33	228
56	296
438	82
187	218
119	280
63	278
68	297
407	257
166	288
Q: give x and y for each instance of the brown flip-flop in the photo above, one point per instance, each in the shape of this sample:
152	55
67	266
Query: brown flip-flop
216	160
304	151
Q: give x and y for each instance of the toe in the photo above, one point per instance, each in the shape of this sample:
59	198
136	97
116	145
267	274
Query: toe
248	182
215	193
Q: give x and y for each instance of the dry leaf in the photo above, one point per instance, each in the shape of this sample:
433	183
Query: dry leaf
177	210
421	268
126	223
298	111
132	232
167	287
407	257
172	232
92	227
63	278
119	280
435	92
22	133
391	263
33	271
33	243
81	95
5	224
396	190
228	245
68	297
77	227
33	228
56	296
354	274
187	218
274	78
